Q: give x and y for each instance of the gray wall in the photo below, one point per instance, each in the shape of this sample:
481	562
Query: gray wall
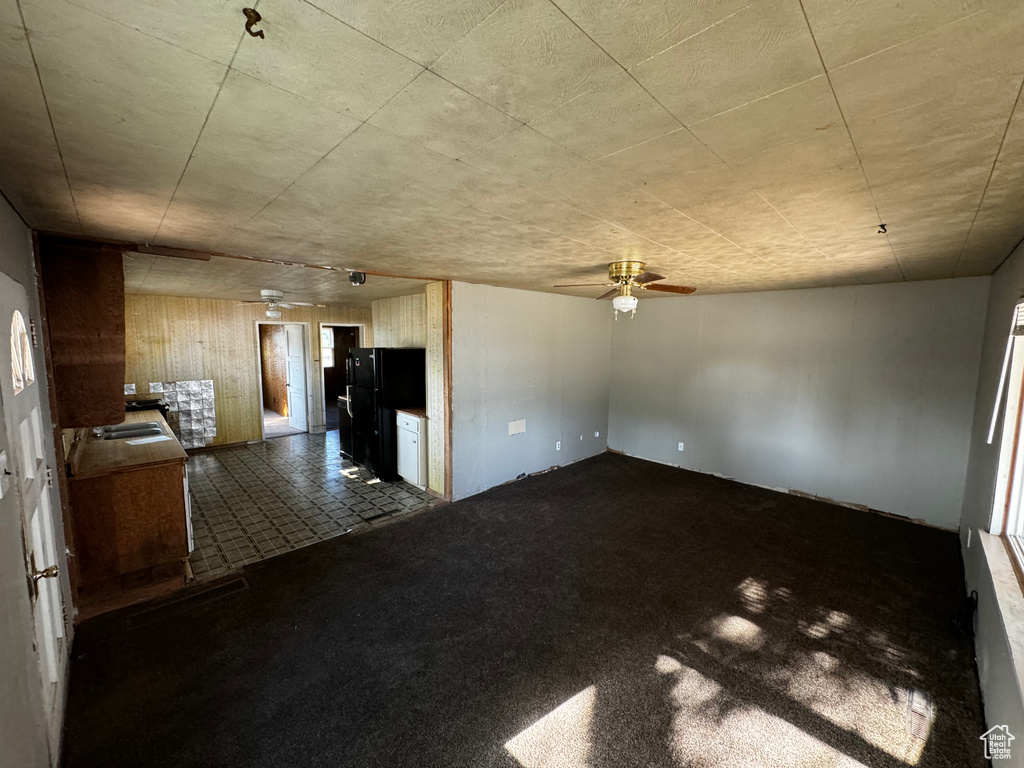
863	394
999	681
22	726
1007	286
525	355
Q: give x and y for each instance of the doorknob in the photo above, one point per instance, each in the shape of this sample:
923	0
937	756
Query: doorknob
46	573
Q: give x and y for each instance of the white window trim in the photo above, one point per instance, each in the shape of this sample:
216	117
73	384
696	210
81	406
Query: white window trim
1008	474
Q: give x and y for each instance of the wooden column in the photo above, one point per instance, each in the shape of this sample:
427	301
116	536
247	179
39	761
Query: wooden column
83	289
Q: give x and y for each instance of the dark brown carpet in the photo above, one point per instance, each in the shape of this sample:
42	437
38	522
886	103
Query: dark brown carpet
611	613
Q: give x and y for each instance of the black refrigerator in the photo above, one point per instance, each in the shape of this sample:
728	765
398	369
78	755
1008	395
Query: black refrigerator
379	382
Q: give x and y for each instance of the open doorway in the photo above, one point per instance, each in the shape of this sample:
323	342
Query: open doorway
335	342
283	373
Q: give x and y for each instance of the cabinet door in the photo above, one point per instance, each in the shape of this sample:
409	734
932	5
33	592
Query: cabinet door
409	456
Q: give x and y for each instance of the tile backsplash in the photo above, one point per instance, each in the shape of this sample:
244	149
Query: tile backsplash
192	416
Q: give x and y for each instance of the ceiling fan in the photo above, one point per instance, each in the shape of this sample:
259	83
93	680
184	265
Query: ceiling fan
275	302
626	276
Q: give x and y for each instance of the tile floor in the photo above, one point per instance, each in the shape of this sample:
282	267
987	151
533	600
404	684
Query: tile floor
275	425
255	501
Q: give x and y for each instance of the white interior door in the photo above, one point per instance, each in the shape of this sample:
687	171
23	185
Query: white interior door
296	377
22	412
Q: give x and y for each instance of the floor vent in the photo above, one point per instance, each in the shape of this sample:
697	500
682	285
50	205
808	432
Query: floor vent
175	606
919	714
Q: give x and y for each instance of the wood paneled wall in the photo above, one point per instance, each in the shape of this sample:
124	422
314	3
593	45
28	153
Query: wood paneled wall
438	361
274	365
169	338
400	322
83	290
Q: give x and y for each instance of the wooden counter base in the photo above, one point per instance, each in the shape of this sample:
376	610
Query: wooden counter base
121	525
128	508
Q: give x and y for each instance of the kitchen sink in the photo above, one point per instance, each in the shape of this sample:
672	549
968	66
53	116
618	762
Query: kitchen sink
132	427
126	435
124	431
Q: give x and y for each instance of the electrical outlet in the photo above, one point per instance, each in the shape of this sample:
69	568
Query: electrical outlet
558	445
680	446
597	434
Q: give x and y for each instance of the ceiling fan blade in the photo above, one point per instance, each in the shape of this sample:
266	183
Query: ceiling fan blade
301	304
648	277
285	305
580	285
613	292
670	288
253	301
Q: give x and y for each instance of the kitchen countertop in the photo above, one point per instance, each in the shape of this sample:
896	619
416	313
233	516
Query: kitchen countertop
92	456
419	413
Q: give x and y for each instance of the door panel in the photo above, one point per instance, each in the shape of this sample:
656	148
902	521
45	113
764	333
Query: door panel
408	455
20	372
296	377
363	370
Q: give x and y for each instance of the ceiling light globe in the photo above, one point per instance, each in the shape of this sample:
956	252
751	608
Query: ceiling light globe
274	314
624	303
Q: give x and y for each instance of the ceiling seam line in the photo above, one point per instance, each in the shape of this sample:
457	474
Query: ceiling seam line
322	157
697	259
143	32
1007	257
759	98
627	69
476	26
991	173
690	37
801	234
359	31
202	128
592	245
687	128
395	50
49	115
909	40
683	125
709	229
849	134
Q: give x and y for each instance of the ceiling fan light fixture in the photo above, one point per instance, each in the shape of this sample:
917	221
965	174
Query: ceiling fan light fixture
624	303
274	314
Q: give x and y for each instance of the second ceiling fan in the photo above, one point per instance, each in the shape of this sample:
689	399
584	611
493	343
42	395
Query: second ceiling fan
274	300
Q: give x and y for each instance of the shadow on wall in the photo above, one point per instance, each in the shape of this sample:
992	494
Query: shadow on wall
274	364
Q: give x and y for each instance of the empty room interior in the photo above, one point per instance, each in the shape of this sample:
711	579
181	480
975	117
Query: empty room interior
512	383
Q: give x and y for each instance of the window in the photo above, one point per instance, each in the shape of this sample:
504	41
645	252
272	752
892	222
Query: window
23	371
327	347
1007	512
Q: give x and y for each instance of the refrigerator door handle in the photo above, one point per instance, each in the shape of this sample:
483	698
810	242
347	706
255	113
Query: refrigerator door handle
348	399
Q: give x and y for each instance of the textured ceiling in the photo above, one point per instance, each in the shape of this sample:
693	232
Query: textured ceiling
732	145
228	278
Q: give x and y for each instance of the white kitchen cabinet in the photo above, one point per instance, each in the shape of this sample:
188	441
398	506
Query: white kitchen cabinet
412	446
